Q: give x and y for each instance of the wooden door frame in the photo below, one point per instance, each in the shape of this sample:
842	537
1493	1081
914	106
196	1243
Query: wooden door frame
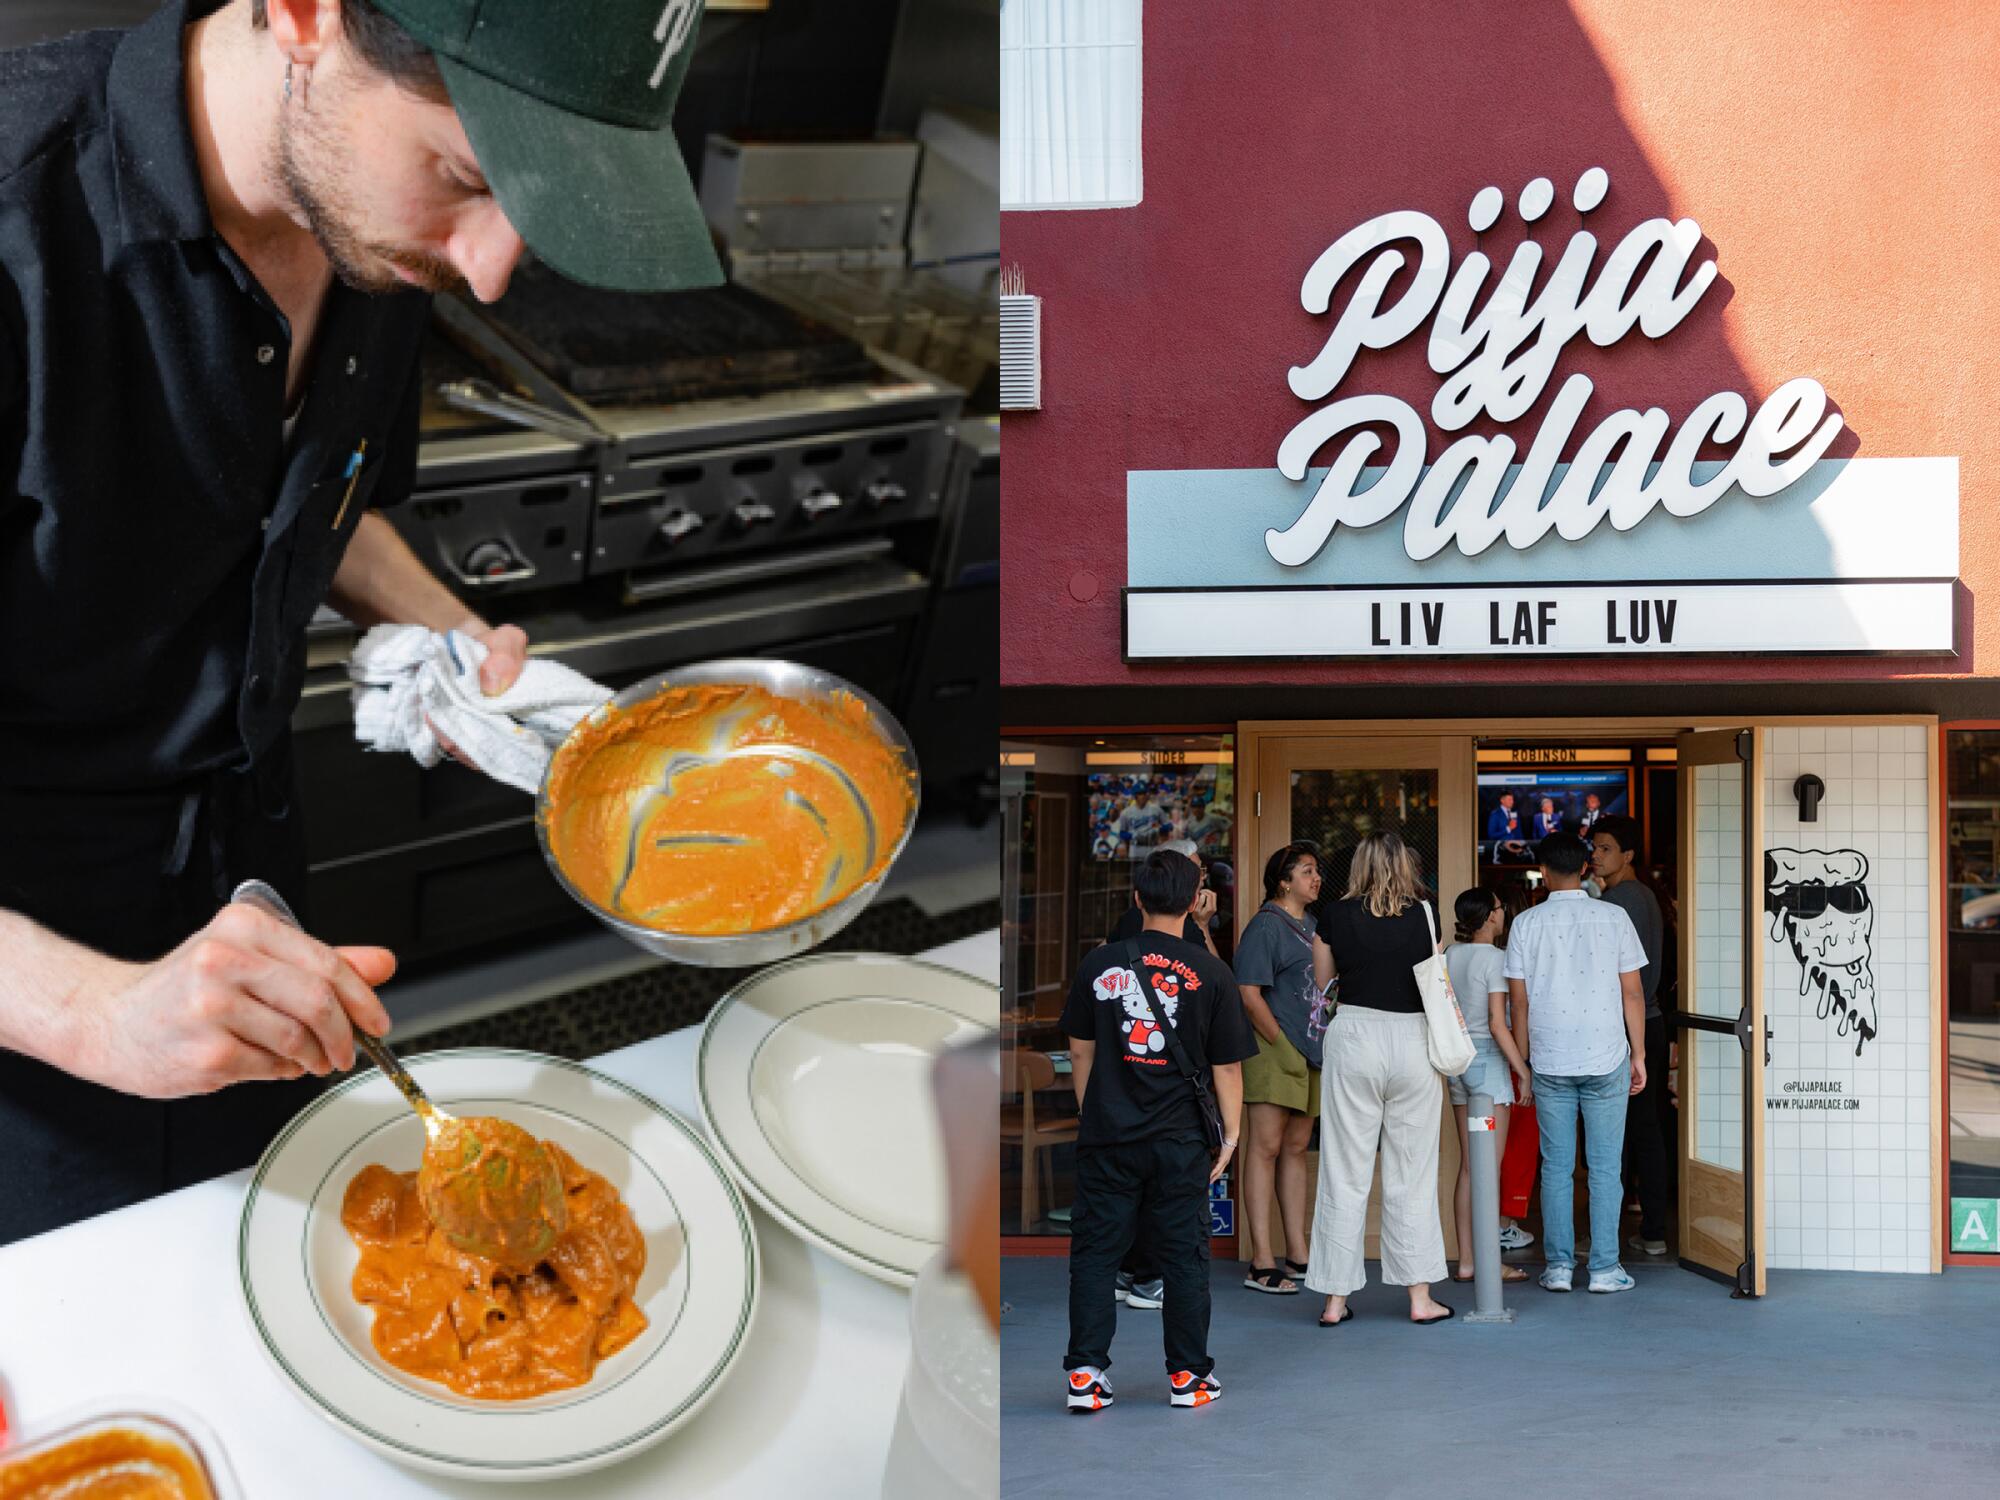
1756	1249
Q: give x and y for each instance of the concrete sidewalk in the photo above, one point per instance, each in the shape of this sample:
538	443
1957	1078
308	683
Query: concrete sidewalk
1836	1384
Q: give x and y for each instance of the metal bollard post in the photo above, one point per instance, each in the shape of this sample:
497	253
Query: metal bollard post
1486	1284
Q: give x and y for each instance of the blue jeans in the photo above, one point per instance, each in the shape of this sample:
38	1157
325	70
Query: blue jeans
1602	1101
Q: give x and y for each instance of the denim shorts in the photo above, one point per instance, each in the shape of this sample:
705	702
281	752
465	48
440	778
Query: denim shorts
1489	1074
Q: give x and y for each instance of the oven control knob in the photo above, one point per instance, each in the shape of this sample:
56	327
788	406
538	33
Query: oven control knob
679	524
824	503
490	559
885	492
751	514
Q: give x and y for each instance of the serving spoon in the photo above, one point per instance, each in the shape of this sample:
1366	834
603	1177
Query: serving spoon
485	1182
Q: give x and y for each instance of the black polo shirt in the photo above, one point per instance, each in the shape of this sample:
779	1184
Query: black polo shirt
161	545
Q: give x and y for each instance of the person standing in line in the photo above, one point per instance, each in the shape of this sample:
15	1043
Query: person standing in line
1522	1159
1476	966
1221	878
1141	1158
1614	857
1379	1090
1281	968
1139	1284
1573	964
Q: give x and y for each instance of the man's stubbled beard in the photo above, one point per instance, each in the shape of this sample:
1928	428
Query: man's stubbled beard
310	163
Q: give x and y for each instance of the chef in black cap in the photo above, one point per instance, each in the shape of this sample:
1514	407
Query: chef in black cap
218	236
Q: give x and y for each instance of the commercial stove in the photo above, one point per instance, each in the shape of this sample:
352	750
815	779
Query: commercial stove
639	482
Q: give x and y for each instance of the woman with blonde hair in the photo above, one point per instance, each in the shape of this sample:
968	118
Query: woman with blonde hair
1378	1089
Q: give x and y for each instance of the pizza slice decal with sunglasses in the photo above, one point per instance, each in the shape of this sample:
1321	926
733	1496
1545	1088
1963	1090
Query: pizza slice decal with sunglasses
1818	902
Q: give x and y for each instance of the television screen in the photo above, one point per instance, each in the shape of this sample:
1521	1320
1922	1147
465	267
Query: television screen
1517	808
1134	812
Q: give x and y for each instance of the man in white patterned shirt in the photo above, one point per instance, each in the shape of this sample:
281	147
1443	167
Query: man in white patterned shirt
1574	964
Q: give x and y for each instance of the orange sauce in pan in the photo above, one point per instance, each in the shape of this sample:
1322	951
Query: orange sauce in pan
723	808
468	1323
114	1463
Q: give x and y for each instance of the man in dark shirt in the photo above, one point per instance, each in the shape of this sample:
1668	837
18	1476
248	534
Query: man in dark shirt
1614	856
216	236
1138	1277
1140	1156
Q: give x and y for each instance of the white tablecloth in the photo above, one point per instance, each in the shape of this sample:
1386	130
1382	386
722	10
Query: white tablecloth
144	1302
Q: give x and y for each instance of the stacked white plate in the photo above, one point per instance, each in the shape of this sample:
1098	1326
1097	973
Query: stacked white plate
814	1081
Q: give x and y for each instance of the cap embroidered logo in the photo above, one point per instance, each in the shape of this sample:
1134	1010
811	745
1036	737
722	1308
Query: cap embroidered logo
676	24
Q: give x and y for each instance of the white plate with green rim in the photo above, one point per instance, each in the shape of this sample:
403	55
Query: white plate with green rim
699	1290
814	1081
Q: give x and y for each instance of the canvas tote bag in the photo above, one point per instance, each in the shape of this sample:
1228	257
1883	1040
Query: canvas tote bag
1445	1037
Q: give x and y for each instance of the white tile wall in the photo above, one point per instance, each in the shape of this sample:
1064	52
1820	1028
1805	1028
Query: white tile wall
1851	1188
1718	961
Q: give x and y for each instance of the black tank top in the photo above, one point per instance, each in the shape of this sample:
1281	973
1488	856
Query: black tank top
1376	956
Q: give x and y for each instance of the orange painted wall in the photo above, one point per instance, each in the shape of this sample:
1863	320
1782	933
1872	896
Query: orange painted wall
1847	159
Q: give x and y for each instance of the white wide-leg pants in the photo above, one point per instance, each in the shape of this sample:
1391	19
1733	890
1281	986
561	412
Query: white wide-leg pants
1377	1089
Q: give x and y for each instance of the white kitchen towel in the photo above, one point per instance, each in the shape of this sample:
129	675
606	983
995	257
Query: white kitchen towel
412	685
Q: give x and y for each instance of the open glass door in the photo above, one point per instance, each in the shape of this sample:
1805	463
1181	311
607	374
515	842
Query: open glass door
1335	791
1720	1024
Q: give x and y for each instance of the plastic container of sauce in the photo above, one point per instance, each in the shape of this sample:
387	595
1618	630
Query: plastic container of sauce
119	1449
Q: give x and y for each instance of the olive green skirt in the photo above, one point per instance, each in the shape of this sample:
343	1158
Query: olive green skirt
1279	1074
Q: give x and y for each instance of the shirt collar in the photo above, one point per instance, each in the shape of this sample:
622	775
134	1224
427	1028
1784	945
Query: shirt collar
160	195
1581	895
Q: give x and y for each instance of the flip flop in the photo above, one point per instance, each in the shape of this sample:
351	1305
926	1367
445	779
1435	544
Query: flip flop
1507	1273
1345	1314
1448	1313
1267	1280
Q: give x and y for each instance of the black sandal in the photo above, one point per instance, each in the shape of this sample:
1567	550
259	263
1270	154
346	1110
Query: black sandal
1296	1269
1345	1313
1267	1279
1447	1314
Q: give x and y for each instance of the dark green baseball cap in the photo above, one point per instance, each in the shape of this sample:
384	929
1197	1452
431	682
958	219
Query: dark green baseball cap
567	106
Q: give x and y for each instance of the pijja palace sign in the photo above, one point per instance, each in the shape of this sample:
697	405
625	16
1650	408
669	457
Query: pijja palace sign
1495	544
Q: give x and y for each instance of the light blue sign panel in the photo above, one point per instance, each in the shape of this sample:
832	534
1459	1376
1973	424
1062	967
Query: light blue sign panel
1846	518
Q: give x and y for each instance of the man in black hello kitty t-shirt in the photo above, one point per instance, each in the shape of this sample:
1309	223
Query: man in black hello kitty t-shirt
1140	1157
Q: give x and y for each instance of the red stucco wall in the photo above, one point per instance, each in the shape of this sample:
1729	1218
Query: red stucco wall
1844	162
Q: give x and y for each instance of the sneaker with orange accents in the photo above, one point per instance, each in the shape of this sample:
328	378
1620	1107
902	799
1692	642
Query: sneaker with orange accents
1185	1388
1089	1389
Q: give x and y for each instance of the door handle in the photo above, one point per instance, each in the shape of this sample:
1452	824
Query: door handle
1742	1030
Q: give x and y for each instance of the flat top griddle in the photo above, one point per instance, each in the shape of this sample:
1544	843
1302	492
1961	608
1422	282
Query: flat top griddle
643	348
